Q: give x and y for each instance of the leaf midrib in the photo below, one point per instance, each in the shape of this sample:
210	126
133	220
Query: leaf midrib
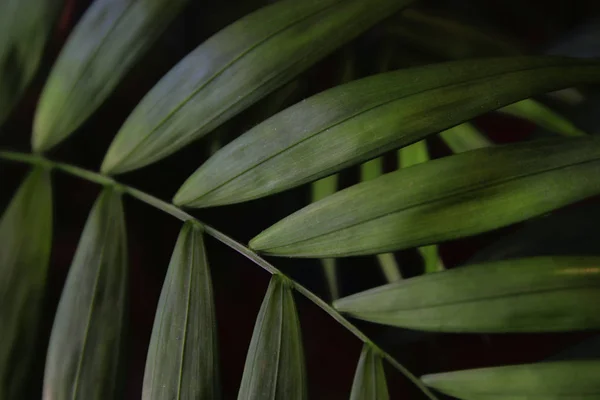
217	74
458	192
364	111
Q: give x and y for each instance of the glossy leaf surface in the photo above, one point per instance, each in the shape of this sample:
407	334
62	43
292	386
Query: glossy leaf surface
234	69
183	359
86	340
362	119
444	199
25	242
540	294
105	44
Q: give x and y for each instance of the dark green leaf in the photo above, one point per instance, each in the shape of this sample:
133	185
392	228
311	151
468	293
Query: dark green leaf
541	294
369	380
25	241
109	39
449	38
183	360
275	363
235	68
85	345
362	119
570	380
25	26
448	198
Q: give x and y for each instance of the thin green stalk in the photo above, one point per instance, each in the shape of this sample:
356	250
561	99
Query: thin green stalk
233	244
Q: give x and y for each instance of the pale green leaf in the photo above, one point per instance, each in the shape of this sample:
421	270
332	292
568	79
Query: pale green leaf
234	69
182	360
465	137
105	44
25	27
369	379
85	344
540	294
274	366
362	119
567	380
543	116
25	242
443	199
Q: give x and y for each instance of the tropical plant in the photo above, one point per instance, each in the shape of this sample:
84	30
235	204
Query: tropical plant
262	58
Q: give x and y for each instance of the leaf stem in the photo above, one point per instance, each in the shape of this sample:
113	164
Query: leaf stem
233	244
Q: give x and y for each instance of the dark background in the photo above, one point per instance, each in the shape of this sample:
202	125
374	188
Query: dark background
331	351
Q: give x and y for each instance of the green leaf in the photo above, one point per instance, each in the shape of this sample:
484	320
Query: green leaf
319	190
274	366
408	156
110	38
362	119
543	116
85	344
387	261
25	27
540	294
439	200
465	137
449	38
569	380
234	69
183	359
25	243
369	380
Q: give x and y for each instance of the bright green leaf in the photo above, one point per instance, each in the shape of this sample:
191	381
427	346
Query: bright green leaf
105	44
85	344
25	242
234	69
362	119
465	137
443	199
569	380
25	27
369	380
274	366
543	116
182	359
542	294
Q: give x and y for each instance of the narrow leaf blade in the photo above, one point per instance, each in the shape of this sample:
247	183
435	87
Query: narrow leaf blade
572	380
234	69
274	366
362	119
543	116
369	380
25	26
182	360
465	137
106	43
443	199
541	294
25	242
85	344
